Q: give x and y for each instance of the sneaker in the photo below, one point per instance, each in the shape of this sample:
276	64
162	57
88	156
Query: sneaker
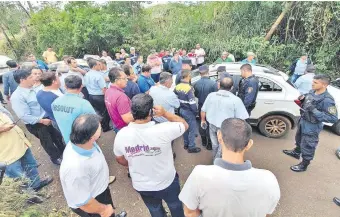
57	161
337	153
194	150
34	200
3	102
122	214
112	179
44	183
185	147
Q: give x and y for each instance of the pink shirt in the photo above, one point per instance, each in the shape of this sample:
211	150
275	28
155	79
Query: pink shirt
117	104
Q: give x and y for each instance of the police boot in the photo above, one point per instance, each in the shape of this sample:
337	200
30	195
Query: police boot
301	167
293	153
209	146
204	141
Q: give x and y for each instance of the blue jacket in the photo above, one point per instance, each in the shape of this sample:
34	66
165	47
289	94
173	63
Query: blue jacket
175	66
247	91
186	96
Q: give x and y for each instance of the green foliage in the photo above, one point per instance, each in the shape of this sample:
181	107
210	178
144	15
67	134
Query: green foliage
237	27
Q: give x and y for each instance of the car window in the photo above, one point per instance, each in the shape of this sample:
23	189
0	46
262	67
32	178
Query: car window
266	85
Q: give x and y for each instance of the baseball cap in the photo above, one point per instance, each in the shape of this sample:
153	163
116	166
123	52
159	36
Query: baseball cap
203	69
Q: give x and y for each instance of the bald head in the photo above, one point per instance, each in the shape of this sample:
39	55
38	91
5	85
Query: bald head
226	83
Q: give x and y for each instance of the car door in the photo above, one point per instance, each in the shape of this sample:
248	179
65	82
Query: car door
271	97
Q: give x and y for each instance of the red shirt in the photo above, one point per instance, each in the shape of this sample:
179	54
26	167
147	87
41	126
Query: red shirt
117	104
161	54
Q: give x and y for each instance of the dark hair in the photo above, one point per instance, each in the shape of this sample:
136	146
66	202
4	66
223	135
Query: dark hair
73	82
126	69
65	57
246	67
146	68
141	107
164	77
70	59
324	78
102	61
11	64
21	74
92	63
235	134
185	74
114	73
84	127
47	78
226	83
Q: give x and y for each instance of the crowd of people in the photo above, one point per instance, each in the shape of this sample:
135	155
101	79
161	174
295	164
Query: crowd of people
68	109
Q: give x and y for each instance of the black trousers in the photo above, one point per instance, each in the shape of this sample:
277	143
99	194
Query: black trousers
50	139
85	92
306	144
1	96
104	198
205	135
98	103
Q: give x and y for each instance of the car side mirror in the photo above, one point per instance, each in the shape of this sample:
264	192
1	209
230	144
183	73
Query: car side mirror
2	171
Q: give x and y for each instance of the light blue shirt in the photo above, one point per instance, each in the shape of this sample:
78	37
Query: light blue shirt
25	105
300	67
166	98
66	109
304	83
222	105
95	82
10	85
105	74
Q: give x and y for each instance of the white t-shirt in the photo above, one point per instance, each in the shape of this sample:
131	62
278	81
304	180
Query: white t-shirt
200	59
84	174
227	189
147	148
107	58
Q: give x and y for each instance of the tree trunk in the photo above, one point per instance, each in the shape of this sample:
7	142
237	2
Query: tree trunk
8	40
278	20
24	9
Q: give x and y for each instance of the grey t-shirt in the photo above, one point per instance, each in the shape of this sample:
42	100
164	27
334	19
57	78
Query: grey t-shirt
231	190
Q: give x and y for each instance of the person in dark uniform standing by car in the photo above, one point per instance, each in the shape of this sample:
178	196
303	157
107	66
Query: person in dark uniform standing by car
202	88
248	87
317	106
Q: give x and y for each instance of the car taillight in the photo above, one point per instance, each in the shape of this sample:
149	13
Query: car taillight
298	102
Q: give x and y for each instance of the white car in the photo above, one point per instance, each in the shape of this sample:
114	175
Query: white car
275	113
3	67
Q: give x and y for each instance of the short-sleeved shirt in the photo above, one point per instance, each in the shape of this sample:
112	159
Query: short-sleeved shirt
145	83
222	105
304	83
227	189
117	104
66	109
84	174
147	148
131	89
45	99
50	56
95	82
203	87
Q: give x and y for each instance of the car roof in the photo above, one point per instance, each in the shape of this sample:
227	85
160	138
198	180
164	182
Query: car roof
234	68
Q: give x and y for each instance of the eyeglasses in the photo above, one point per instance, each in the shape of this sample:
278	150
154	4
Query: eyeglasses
126	79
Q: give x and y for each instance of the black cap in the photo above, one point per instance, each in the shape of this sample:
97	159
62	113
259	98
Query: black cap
221	69
203	69
186	61
224	75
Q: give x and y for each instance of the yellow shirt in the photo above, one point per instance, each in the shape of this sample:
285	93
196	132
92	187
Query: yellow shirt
50	56
13	143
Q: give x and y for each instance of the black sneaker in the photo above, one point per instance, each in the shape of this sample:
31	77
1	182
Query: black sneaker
194	150
56	161
337	153
185	147
34	200
44	183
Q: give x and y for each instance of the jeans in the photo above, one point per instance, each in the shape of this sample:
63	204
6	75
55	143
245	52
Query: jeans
50	139
98	103
26	166
189	135
104	198
294	77
153	200
216	148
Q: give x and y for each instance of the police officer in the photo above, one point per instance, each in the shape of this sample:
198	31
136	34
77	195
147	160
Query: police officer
202	89
248	87
219	106
317	106
188	110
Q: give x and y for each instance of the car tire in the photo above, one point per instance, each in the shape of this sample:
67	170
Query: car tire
336	128
275	126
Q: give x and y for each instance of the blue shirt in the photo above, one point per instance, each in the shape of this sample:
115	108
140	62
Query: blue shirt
253	61
304	83
166	62
137	68
95	82
10	85
26	106
166	98
145	83
131	89
45	99
42	65
66	109
186	96
133	58
175	66
222	105
202	88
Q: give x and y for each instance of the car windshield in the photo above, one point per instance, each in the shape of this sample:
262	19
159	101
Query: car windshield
336	84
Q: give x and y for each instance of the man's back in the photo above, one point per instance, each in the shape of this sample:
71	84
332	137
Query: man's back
66	109
233	190
304	83
10	85
203	87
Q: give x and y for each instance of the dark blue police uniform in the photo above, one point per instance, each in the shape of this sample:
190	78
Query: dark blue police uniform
202	88
248	89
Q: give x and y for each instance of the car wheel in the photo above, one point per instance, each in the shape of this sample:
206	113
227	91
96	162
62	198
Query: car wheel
336	128
275	126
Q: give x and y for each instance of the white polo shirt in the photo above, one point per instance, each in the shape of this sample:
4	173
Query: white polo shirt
84	174
227	189
147	148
